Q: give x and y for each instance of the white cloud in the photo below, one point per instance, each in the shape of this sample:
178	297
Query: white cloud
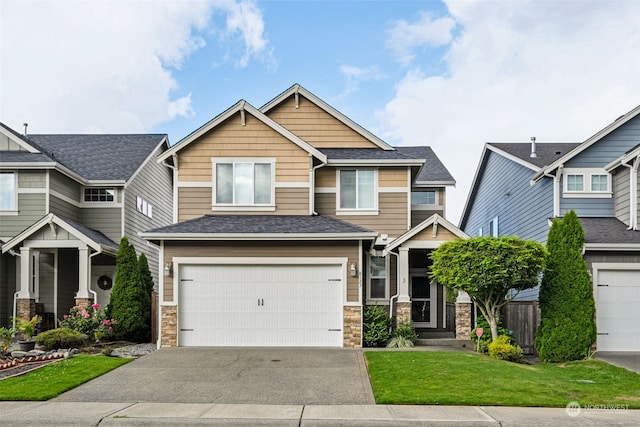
70	66
428	30
354	75
559	71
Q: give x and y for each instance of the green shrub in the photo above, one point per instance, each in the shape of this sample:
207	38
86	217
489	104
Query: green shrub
485	339
405	330
61	338
502	349
6	334
376	326
400	342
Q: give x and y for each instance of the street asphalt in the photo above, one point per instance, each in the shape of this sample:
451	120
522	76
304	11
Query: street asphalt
276	387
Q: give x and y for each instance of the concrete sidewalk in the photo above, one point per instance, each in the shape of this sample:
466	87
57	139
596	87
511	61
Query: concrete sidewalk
194	414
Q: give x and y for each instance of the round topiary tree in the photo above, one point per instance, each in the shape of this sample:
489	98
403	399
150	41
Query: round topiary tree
567	308
129	298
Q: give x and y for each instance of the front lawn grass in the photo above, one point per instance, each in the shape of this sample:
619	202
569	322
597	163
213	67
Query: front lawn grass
57	377
447	378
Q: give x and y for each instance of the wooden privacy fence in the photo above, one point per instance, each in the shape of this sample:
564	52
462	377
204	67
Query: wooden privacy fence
521	317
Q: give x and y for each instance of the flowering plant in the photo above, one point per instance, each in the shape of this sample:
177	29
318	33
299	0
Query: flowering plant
90	321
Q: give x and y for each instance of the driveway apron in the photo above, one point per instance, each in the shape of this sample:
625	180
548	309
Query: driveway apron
625	359
270	376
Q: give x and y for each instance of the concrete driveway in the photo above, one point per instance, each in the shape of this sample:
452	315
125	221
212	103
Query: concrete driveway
625	359
270	376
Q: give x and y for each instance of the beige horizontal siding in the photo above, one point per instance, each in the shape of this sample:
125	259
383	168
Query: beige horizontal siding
391	219
393	177
254	140
427	235
316	126
326	177
264	250
193	202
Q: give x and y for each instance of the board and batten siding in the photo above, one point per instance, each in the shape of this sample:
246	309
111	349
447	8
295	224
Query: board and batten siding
503	191
316	126
260	249
7	144
621	196
233	140
154	184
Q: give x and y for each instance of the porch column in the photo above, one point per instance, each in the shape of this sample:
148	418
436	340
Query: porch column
463	316
82	296
403	308
25	302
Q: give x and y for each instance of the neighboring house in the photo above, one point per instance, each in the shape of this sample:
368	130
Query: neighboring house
519	188
65	202
289	219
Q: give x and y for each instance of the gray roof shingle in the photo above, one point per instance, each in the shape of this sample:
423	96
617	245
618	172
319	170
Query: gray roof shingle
95	235
23	157
261	224
99	157
432	171
608	230
548	152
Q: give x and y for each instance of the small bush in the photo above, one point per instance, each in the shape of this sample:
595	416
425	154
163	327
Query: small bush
400	342
61	338
90	321
405	330
376	326
6	334
502	349
485	339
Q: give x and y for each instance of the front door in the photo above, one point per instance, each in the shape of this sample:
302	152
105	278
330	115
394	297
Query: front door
423	302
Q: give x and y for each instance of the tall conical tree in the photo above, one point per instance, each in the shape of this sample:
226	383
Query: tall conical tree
147	286
567	308
127	296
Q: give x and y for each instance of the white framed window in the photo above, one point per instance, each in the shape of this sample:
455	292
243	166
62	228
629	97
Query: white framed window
99	195
493	227
587	183
424	197
480	232
378	289
144	207
243	183
8	191
357	191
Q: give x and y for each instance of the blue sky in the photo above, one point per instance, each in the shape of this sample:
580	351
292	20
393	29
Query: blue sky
451	74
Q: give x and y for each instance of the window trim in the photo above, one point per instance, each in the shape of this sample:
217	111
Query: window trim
357	211
371	276
271	206
587	189
92	204
494	231
13	209
431	206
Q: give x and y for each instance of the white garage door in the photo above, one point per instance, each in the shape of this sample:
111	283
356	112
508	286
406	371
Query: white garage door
618	310
260	305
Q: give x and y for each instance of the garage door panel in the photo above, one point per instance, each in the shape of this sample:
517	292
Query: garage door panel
272	305
618	310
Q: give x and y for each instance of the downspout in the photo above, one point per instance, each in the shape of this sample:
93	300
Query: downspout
95	294
397	282
631	196
15	296
312	190
556	189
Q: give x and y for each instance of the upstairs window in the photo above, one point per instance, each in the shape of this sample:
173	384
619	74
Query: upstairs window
144	207
423	197
7	191
586	183
358	189
243	183
99	194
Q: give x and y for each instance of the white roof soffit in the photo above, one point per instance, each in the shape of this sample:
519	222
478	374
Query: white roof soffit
241	106
620	121
297	89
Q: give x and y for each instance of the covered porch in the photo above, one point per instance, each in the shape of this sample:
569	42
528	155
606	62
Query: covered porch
59	263
420	300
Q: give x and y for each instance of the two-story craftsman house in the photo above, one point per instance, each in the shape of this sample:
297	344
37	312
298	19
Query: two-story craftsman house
288	220
65	202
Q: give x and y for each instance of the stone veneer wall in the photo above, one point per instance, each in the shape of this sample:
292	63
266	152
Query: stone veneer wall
463	321
403	313
352	327
84	302
168	326
25	308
